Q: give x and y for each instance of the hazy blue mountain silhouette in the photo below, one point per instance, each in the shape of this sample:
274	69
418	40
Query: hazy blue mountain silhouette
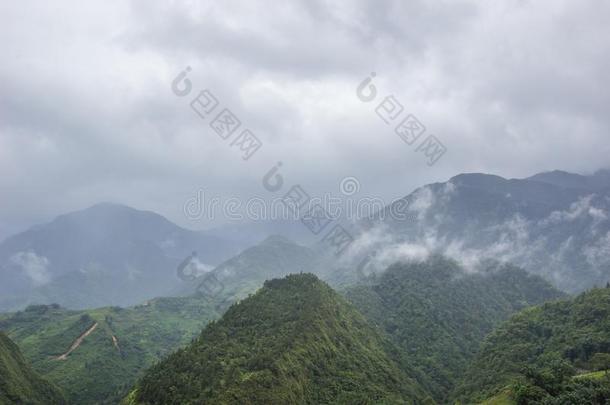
108	254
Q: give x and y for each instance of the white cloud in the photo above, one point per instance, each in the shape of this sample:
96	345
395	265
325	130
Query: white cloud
598	255
511	88
583	209
196	268
424	200
33	265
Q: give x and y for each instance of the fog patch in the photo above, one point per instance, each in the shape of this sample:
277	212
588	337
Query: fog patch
580	209
598	255
196	268
34	266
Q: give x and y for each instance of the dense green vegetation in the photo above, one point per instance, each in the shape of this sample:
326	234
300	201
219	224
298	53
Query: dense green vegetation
438	314
427	335
18	383
550	354
109	360
294	341
100	371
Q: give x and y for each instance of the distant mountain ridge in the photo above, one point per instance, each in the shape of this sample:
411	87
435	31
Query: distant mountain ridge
597	181
107	254
554	224
544	224
235	278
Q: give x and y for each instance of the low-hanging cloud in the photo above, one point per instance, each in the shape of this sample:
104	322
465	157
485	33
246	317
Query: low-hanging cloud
33	265
539	245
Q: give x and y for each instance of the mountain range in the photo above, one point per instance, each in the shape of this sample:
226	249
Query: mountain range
434	306
553	224
104	255
297	341
432	315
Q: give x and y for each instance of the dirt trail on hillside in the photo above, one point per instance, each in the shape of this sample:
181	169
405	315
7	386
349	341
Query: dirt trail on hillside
77	342
115	341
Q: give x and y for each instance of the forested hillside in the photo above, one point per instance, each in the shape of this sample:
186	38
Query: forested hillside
556	353
430	319
438	314
18	383
95	356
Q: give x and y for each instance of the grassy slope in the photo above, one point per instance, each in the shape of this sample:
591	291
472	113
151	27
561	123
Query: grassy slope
99	371
18	383
294	341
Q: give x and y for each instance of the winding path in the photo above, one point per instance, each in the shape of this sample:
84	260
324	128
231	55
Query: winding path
77	342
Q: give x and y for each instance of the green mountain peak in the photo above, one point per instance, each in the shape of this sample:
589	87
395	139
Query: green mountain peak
294	341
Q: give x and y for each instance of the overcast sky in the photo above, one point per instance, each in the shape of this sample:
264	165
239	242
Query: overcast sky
87	113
